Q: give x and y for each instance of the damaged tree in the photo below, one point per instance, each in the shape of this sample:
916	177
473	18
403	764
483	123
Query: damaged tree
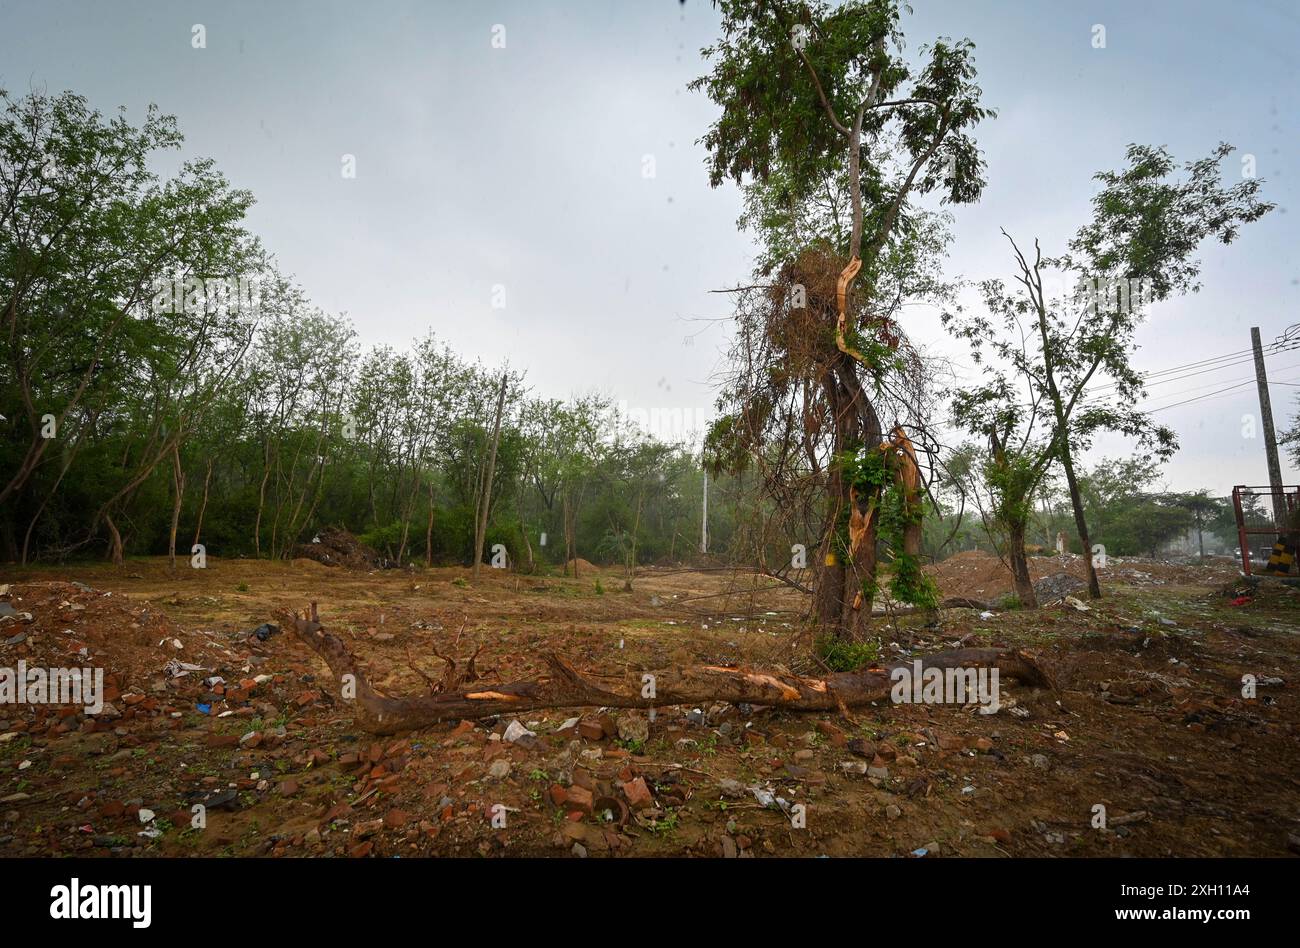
1148	222
566	687
823	121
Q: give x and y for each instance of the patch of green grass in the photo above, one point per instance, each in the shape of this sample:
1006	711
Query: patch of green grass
15	747
843	656
666	825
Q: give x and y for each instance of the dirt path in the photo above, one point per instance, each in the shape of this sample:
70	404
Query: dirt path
1150	723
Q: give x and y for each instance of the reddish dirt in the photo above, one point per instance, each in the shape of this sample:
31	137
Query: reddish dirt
981	575
1149	722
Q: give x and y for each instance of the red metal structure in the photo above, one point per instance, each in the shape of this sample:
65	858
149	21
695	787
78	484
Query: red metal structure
1256	517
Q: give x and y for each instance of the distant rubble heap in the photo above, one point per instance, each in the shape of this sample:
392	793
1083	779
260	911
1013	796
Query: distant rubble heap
337	547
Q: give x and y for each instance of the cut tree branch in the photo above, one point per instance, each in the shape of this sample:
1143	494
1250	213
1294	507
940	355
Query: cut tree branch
566	687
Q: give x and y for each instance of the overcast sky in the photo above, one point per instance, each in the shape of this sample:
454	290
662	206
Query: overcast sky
523	171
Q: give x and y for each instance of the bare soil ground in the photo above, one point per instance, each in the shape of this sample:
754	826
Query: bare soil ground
1149	721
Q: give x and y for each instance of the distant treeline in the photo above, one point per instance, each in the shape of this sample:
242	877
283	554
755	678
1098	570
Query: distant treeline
163	385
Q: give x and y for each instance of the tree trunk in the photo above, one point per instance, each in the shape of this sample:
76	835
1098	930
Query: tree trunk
178	490
1080	522
1020	565
428	530
115	543
830	567
528	544
630	562
565	687
261	506
485	500
203	505
570	538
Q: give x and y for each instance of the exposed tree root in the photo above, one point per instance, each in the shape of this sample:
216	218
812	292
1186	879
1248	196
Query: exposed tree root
567	688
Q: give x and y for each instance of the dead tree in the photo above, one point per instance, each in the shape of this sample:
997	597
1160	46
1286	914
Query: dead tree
566	687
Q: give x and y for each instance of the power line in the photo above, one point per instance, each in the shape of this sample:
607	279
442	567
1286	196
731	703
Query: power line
1209	395
1201	398
1286	340
1224	362
1194	388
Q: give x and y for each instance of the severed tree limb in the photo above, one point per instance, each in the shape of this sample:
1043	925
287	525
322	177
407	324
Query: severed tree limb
841	300
566	687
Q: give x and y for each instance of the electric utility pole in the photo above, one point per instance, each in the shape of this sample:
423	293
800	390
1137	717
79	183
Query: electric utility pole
1270	439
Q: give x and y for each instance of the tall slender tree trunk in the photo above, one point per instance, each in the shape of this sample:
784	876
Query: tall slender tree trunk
203	505
261	506
523	530
1066	455
564	528
485	500
178	491
27	537
1080	522
630	562
428	531
115	542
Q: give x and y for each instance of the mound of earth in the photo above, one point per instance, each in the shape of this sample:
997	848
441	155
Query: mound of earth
140	649
1058	586
301	562
582	566
979	574
340	548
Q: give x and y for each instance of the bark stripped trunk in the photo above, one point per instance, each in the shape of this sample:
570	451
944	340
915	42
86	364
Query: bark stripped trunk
566	687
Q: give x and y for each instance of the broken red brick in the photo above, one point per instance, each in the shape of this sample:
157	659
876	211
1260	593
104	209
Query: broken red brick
578	799
832	733
637	793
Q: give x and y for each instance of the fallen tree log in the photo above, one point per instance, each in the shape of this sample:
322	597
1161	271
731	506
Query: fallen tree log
566	687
